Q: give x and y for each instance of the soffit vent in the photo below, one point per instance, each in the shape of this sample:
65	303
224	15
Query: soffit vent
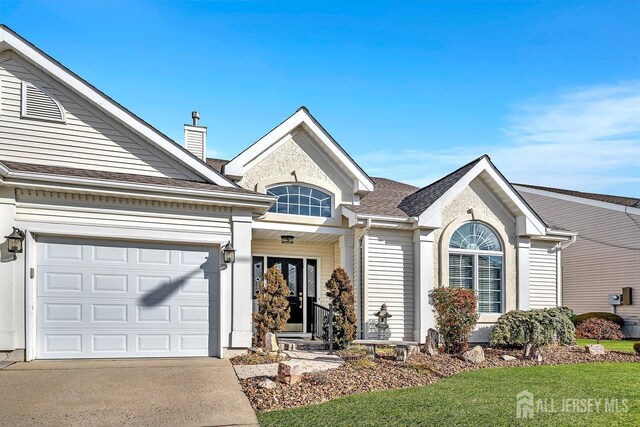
37	103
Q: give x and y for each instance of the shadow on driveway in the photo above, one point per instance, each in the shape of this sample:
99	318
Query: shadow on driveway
189	391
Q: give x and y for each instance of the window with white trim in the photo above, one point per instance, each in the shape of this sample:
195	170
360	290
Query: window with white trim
297	199
476	262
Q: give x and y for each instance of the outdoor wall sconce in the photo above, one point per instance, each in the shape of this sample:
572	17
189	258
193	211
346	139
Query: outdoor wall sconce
15	240
228	253
286	240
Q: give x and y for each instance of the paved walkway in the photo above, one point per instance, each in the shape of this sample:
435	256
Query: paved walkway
311	361
140	392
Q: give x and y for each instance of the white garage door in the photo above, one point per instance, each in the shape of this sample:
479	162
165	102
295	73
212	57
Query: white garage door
102	299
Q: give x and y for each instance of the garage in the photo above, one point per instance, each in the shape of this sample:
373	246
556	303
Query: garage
108	299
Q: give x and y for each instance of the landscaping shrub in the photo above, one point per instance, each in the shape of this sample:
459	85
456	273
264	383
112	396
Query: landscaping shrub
536	327
273	306
636	347
456	316
599	329
598	315
340	290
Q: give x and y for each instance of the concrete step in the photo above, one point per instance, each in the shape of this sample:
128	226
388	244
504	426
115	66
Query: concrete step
294	344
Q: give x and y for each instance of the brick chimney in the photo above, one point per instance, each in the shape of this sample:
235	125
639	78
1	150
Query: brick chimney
195	137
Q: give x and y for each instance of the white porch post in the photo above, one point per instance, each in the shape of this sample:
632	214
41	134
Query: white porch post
524	244
241	281
423	276
346	254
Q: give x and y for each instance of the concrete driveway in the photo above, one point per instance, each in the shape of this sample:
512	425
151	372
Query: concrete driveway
177	392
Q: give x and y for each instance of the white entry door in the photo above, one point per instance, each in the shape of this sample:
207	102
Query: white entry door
101	299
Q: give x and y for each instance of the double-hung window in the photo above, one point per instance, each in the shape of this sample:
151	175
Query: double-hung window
476	262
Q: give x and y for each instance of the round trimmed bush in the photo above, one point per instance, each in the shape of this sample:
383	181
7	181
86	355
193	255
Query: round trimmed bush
636	347
598	315
599	329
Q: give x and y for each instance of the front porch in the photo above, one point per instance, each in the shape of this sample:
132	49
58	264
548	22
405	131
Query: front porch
306	264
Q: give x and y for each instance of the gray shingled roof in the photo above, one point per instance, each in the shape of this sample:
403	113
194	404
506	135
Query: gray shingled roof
618	200
385	198
419	201
121	177
217	164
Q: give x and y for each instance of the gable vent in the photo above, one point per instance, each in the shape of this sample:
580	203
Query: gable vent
38	104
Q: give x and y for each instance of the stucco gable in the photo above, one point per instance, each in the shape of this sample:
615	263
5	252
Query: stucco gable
299	160
528	222
301	121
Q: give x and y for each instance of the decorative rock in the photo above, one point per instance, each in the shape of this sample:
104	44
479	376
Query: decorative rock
267	384
595	349
431	342
255	350
507	357
475	355
271	343
401	354
290	372
413	350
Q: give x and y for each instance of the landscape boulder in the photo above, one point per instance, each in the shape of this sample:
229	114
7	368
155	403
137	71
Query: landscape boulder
271	343
507	357
289	372
267	384
595	349
475	355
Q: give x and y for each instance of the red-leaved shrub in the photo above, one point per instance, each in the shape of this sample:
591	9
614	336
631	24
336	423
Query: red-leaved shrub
456	316
599	329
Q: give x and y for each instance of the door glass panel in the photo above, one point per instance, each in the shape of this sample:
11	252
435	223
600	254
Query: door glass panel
258	272
292	279
311	278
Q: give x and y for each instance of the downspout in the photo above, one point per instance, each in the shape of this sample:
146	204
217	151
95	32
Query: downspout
363	304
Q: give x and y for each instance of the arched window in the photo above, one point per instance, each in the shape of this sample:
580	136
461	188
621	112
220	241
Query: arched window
297	199
476	262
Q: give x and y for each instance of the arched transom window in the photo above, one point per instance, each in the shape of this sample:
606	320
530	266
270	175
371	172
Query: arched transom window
297	199
476	262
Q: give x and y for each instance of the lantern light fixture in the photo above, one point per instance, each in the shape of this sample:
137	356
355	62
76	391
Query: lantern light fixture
228	253
287	240
15	240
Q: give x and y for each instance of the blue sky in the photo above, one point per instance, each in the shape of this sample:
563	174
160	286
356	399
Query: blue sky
550	90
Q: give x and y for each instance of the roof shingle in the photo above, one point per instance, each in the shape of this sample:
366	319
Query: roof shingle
121	177
618	200
419	201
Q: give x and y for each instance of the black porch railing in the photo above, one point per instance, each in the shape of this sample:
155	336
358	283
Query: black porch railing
322	324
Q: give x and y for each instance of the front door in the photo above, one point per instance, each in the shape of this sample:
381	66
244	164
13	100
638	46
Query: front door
291	269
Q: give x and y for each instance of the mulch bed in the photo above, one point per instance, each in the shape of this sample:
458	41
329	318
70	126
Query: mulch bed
258	359
359	374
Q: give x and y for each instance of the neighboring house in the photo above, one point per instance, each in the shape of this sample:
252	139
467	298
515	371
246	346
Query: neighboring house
606	255
126	231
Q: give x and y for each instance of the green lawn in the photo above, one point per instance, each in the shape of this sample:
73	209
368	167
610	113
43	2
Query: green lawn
485	397
621	345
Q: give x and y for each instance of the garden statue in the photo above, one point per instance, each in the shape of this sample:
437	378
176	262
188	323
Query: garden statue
382	324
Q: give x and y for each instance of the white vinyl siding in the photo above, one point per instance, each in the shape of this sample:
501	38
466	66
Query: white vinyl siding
605	257
543	275
389	280
87	140
66	209
195	141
